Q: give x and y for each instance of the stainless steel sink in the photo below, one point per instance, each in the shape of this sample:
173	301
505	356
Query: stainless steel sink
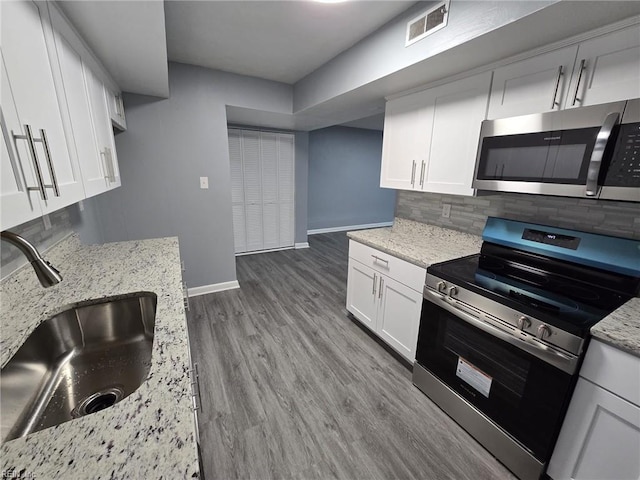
78	362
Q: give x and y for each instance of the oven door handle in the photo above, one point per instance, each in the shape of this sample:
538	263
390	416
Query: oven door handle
547	354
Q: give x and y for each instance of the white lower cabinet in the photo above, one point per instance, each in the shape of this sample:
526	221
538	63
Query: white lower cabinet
385	304
600	437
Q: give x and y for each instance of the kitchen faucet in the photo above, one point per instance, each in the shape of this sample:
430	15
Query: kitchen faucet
47	273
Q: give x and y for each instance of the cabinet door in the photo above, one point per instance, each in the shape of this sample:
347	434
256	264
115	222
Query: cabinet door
459	108
399	316
90	159
102	128
529	86
607	69
405	141
600	437
17	204
25	30
362	293
116	108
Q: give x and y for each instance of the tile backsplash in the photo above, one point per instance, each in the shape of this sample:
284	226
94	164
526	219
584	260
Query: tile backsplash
34	232
469	214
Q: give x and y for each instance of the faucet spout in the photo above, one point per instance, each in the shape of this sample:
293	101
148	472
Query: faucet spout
46	273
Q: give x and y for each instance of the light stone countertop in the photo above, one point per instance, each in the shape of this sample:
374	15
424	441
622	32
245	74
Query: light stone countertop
621	328
149	434
419	243
423	245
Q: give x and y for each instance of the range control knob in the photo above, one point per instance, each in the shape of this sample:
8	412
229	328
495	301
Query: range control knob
441	286
524	323
453	291
544	331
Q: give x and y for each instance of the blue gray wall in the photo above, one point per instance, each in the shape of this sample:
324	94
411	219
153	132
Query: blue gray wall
344	179
169	144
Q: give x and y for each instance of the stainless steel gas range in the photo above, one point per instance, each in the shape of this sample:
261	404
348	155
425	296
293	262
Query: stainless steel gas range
503	333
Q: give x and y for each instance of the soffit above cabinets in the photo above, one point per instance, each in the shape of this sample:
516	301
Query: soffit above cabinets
129	39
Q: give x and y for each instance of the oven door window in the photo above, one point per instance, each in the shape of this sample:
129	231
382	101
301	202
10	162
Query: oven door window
549	157
521	393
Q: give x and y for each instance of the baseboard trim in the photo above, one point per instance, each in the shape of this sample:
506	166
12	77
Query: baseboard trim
349	227
301	245
216	287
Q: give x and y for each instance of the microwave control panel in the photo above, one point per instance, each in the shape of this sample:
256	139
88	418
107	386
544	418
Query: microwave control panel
624	170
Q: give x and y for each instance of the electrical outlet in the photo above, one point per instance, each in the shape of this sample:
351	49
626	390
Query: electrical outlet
446	210
204	182
47	222
81	205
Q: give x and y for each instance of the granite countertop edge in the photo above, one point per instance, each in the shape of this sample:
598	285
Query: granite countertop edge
417	243
150	433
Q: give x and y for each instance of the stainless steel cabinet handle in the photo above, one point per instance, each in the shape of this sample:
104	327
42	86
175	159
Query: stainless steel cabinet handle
52	172
598	152
108	165
413	172
375	281
575	94
34	158
554	102
381	287
422	169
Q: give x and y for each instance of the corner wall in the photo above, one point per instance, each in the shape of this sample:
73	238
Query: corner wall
168	145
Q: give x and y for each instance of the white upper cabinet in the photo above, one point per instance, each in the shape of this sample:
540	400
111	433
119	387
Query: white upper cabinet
607	69
17	205
102	128
458	109
407	135
116	108
81	122
29	71
431	137
538	84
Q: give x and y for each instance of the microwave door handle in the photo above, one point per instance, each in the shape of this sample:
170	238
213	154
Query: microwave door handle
598	152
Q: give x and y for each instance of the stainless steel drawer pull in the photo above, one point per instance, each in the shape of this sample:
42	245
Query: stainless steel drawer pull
554	101
108	165
376	258
185	294
375	281
422	170
381	287
575	94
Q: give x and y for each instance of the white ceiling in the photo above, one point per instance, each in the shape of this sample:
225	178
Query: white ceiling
275	40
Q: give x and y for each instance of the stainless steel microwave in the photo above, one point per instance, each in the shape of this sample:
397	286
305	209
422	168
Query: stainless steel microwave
590	152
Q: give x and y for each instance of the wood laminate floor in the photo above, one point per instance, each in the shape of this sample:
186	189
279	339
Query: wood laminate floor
293	388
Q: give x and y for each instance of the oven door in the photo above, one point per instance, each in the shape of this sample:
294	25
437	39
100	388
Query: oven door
521	393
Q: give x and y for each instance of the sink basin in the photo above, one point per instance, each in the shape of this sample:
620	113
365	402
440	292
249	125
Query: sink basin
78	362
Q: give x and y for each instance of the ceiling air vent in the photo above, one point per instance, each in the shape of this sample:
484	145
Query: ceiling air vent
427	23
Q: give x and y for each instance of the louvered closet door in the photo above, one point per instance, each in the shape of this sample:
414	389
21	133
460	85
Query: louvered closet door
286	190
262	177
237	191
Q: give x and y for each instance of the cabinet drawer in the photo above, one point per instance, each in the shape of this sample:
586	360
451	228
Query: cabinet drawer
404	272
613	369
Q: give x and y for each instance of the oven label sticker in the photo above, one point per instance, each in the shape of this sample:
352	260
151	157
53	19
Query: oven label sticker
474	377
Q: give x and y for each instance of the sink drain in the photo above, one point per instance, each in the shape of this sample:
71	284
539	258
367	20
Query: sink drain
98	401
